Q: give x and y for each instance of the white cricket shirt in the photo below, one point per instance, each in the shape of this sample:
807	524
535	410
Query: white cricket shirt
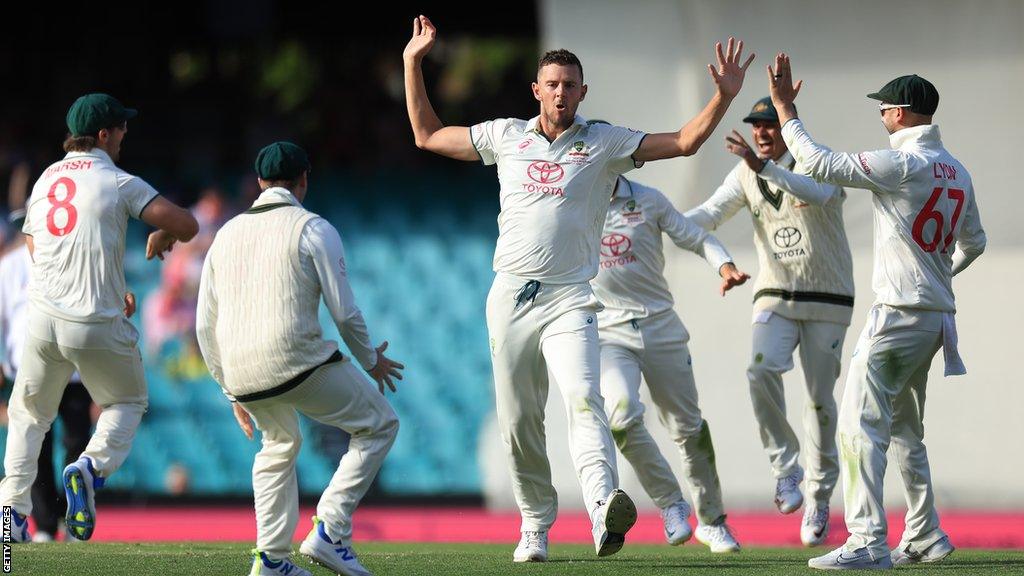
554	195
77	216
631	282
927	227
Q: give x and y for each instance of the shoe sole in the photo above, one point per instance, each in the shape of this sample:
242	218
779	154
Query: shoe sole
530	559
925	560
80	518
621	516
311	555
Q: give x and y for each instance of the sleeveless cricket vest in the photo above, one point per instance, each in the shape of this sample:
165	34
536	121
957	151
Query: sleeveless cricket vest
267	305
805	267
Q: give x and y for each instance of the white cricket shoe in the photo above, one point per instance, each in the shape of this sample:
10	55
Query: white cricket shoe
814	528
331	554
843	559
937	552
717	537
677	523
19	528
263	565
788	497
612	519
533	547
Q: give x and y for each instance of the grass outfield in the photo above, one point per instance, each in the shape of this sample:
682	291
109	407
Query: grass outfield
204	559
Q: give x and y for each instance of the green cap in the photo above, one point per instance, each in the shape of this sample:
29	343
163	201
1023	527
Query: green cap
919	93
763	111
94	112
281	161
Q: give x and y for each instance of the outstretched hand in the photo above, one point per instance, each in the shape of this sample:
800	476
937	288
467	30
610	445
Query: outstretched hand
385	370
782	89
731	277
423	35
728	75
738	145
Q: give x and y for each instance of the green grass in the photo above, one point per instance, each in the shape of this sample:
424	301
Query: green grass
204	559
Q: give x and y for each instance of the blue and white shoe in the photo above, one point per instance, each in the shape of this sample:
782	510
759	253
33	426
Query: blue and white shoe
19	528
263	565
331	554
80	484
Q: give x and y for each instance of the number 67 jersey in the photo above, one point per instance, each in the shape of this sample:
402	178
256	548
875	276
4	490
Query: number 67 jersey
927	227
77	216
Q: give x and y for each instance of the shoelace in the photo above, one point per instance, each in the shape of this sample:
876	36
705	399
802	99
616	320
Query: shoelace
533	539
677	512
817	516
788	483
720	533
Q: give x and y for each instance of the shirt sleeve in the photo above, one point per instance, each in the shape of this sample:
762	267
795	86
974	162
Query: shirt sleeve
486	138
723	204
970	237
689	236
206	321
879	170
321	242
136	193
803	187
621	144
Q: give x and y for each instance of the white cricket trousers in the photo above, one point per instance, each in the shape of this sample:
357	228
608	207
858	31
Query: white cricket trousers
821	347
883	408
107	359
335	394
656	348
554	334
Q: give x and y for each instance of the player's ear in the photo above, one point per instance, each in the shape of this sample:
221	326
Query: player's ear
103	136
583	92
536	91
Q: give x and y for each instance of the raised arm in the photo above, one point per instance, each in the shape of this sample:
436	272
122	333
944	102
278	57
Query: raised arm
430	133
728	79
727	200
800	186
879	170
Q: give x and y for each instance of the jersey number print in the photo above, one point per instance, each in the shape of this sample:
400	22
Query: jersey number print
929	213
71	214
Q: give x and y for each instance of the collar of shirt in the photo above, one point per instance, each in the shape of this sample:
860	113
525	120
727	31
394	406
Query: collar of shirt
533	125
276	194
623	188
927	134
95	152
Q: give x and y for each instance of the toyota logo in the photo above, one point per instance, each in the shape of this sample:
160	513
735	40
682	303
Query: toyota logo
614	245
787	237
545	172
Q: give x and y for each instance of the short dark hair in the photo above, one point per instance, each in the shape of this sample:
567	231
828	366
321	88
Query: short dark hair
561	57
289	185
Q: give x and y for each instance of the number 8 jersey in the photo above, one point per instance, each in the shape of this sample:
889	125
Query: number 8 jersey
927	227
77	216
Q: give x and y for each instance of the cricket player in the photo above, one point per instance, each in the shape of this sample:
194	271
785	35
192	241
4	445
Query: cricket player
640	333
556	174
259	333
927	229
803	296
75	225
15	266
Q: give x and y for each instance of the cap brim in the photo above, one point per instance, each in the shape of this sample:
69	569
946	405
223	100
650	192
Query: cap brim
130	113
876	96
760	118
